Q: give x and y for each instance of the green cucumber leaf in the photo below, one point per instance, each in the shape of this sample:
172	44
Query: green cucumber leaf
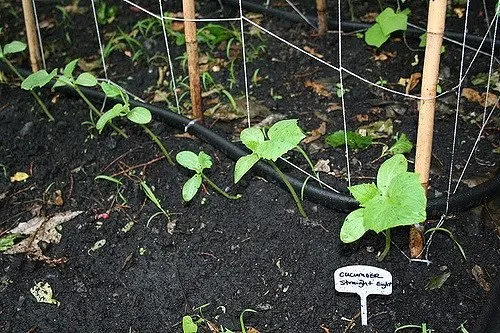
353	227
38	79
13	47
86	80
390	169
243	165
390	21
109	115
364	192
252	137
69	68
402	145
190	188
139	115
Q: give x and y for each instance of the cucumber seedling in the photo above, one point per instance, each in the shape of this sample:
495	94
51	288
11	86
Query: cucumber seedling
198	163
17	47
138	115
397	199
282	137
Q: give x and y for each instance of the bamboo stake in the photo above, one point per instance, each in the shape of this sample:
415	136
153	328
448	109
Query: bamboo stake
192	54
435	30
33	47
322	20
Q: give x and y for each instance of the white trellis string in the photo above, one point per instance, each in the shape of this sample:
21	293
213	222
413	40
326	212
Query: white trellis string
99	40
478	138
341	70
101	51
159	17
170	62
300	14
342	99
487	18
40	43
326	63
457	111
493	23
486	117
451	40
143	9
490	72
309	175
245	74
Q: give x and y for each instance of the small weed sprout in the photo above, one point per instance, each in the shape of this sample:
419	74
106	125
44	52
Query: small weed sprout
397	199
381	82
119	187
340	90
198	163
151	196
282	137
17	47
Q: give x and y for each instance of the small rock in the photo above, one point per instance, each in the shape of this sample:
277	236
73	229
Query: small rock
26	129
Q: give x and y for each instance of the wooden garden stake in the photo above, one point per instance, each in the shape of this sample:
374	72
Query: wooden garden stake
192	56
322	20
435	30
33	46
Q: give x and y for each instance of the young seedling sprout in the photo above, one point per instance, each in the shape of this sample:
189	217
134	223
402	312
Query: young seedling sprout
198	163
16	47
138	115
282	137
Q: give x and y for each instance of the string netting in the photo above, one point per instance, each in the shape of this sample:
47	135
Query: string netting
349	76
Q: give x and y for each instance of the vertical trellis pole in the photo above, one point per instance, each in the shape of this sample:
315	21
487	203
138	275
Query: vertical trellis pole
322	19
192	54
435	30
31	36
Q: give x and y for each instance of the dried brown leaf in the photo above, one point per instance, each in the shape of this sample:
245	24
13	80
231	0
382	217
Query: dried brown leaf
334	107
318	88
362	117
252	330
413	81
369	17
480	276
416	243
316	133
40	229
313	52
384	56
475	96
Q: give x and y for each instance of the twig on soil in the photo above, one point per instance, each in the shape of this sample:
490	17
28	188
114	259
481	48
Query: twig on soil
117	159
352	322
71	183
138	166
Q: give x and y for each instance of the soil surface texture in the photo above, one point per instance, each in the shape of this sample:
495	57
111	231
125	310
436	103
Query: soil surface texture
117	262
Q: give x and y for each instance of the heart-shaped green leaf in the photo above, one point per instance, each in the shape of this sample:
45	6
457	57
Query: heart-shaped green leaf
244	164
139	115
190	188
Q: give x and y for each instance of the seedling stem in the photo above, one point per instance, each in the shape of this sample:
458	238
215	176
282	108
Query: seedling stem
290	188
218	189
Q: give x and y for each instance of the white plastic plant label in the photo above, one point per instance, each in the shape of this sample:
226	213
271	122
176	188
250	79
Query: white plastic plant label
364	281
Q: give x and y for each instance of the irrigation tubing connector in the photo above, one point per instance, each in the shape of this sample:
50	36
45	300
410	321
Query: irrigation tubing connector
348	26
435	206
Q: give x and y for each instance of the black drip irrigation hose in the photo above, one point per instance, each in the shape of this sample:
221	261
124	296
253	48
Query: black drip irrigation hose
353	26
435	206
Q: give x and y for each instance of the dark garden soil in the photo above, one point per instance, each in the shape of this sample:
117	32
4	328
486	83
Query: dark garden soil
253	253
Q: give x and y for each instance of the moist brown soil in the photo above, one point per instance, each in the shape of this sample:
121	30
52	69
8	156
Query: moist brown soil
253	253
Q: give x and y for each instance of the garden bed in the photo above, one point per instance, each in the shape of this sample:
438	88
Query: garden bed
253	253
